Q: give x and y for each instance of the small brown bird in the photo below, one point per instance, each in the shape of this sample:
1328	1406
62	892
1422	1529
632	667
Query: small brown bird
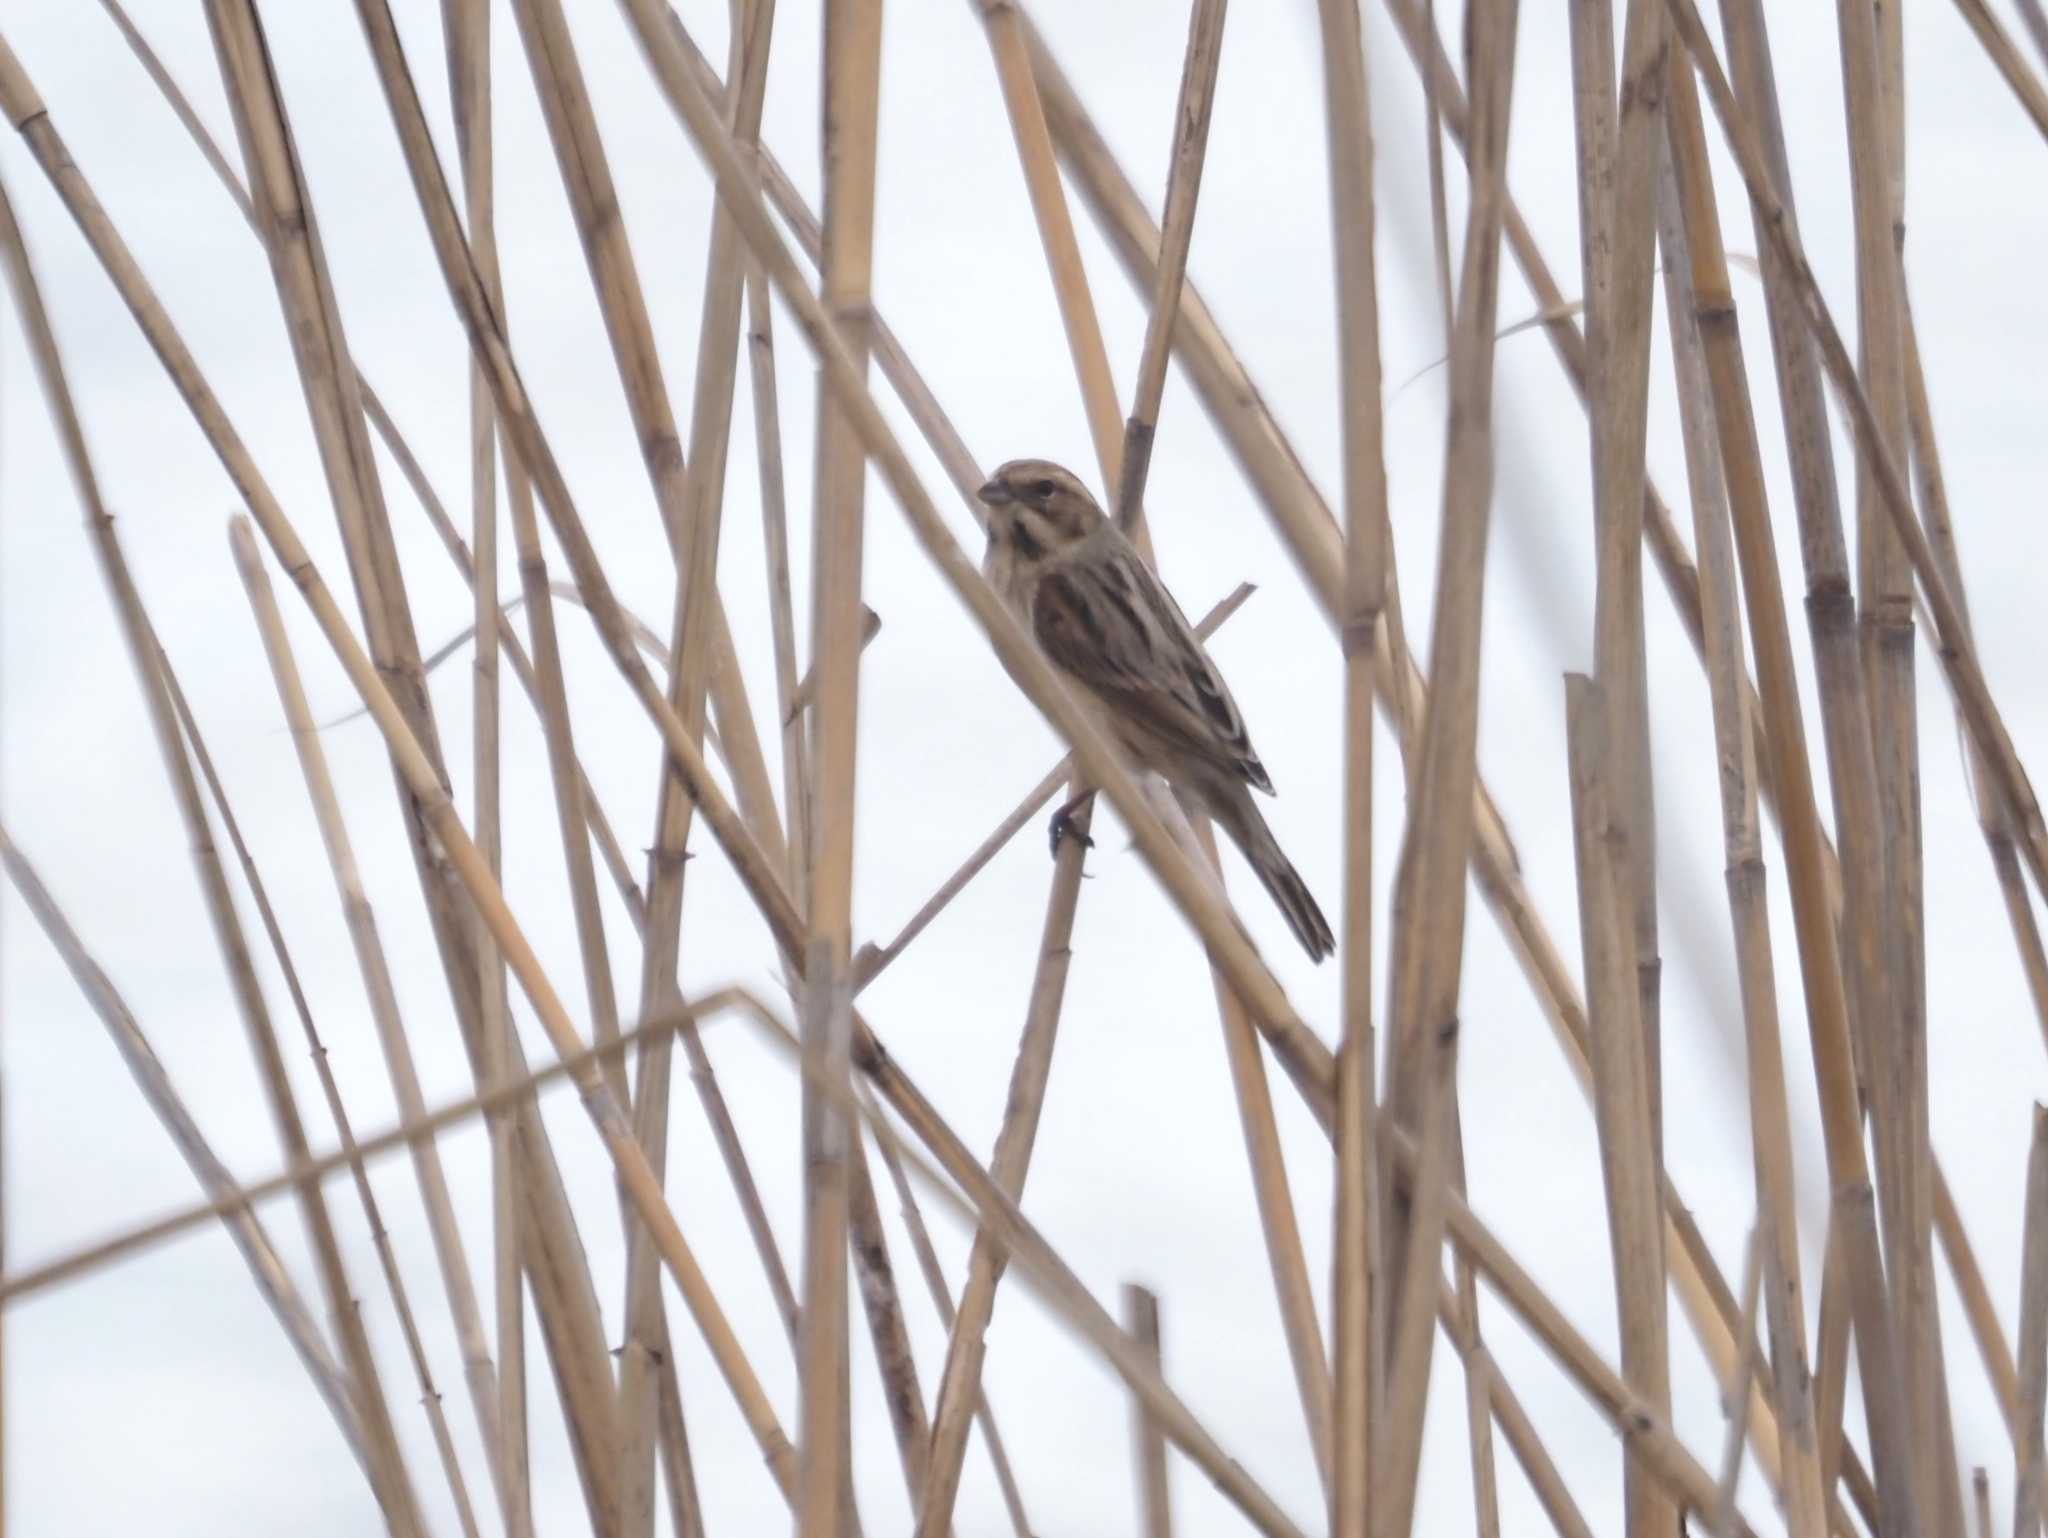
1106	621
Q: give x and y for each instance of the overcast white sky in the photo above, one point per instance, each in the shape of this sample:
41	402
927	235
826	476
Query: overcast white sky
160	1391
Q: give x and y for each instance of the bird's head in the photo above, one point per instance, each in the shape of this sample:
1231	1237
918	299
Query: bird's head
1038	508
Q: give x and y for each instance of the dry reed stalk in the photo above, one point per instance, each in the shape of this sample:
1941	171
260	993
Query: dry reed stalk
563	1296
2005	56
1980	1487
1155	1509
225	1199
1183	186
690	510
981	1201
380	1236
1742	841
1617	235
847	139
466	30
1648	1434
1501	1402
1429	903
2031	1473
236	1198
1735	1394
384	1462
1820	963
1358	1308
796	796
1959	661
1264	454
942	1301
1884	586
966	1341
1978	1308
1628	1152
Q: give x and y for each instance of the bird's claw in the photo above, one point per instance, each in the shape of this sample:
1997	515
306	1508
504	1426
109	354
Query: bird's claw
1062	827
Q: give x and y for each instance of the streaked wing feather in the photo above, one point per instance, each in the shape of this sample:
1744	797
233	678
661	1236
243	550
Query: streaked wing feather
1113	625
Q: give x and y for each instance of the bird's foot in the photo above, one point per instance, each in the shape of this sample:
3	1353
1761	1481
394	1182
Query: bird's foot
1062	825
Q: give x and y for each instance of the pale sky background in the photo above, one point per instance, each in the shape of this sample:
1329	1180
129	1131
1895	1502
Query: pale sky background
160	1392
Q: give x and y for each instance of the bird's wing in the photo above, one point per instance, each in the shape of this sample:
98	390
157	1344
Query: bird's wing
1111	624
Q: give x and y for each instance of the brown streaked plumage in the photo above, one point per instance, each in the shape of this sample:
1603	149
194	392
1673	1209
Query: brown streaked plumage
1103	618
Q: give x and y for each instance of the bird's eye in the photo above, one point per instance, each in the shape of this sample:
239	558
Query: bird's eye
1043	488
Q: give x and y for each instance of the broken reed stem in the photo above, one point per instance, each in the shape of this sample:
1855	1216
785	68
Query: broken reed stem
1155	1510
225	1200
466	26
1429	903
380	1237
1183	187
1359	1311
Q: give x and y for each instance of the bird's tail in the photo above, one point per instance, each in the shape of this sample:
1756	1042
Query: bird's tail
1277	873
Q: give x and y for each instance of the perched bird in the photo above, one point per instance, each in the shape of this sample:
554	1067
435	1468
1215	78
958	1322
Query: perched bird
1102	617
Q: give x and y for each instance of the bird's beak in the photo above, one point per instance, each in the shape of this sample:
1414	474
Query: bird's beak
994	494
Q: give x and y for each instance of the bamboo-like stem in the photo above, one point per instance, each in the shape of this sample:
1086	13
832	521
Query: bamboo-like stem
2030	1475
1975	1294
235	1198
942	1301
1155	1510
563	1295
1551	1492
466	26
966	1341
2005	55
1359	1310
1628	1156
1429	904
1735	1394
1820	962
380	1237
1183	187
1742	843
1618	154
852	100
1264	454
224	1199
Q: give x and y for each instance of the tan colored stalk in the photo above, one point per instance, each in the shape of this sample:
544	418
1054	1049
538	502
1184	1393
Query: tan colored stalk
1268	460
1617	170
1897	1051
2030	1476
966	1343
1549	1486
225	1200
1982	1313
1621	1096
234	1198
1359	1306
1799	1475
380	1236
563	1296
942	1301
1820	963
849	120
1183	186
467	30
1155	1509
2005	56
1429	903
1980	1486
